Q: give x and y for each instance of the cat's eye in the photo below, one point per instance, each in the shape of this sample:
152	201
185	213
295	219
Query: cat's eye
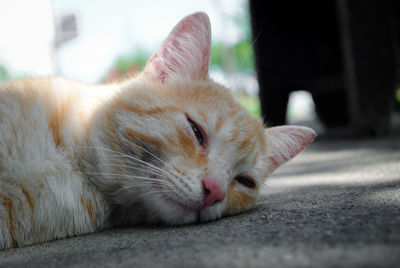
197	132
246	181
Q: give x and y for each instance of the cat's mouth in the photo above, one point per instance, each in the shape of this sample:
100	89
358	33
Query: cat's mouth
180	205
189	214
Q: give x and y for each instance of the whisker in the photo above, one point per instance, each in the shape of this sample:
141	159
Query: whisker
128	166
120	175
127	187
150	153
156	157
130	157
127	176
141	196
145	164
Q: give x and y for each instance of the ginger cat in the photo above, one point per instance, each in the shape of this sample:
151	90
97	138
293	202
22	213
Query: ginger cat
169	145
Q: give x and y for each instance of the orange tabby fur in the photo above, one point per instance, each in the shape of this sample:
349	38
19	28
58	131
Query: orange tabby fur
169	145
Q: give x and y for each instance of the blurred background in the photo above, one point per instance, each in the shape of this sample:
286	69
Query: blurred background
301	53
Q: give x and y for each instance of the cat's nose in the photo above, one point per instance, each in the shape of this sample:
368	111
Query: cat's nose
212	192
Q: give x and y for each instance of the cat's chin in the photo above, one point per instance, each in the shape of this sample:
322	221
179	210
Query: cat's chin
183	214
170	212
210	213
175	213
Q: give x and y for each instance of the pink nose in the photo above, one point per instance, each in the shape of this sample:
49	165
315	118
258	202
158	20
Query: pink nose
212	192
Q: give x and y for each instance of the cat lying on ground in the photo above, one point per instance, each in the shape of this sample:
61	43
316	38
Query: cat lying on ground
169	145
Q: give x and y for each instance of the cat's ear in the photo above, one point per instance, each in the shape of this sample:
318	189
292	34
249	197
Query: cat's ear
285	142
185	53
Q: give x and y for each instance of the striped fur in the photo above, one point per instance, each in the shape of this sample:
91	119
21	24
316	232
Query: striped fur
77	158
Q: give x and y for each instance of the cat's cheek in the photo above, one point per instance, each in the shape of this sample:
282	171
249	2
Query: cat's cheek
239	199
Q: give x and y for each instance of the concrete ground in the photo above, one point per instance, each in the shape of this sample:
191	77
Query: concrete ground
336	205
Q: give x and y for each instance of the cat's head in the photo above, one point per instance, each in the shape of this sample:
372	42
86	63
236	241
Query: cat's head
180	149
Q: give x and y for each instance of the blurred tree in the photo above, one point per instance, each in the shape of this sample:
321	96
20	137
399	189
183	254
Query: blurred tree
127	64
250	102
216	58
137	59
4	74
244	55
238	57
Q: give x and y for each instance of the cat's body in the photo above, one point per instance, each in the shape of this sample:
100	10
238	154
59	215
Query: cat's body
41	186
167	146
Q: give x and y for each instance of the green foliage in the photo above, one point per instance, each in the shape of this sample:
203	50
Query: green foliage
136	59
244	55
238	57
216	57
4	74
250	103
242	58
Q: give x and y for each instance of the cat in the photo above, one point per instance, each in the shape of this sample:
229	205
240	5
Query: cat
166	146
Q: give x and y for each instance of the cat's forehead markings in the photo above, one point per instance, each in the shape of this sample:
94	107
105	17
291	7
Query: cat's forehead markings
245	146
237	164
235	135
149	111
202	114
219	123
255	159
235	112
243	158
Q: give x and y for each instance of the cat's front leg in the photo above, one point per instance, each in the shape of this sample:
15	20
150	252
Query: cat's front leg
39	210
16	214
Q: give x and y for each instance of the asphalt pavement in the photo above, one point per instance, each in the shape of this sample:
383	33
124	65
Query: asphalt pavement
335	205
